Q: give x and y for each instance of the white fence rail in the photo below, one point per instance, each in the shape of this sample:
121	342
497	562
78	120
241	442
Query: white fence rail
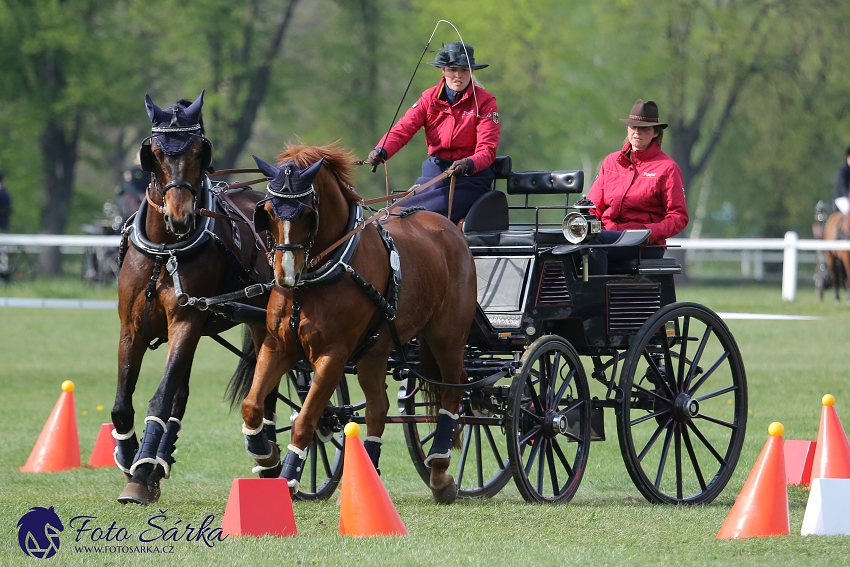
790	246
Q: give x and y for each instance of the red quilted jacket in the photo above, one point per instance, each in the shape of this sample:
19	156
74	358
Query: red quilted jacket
641	189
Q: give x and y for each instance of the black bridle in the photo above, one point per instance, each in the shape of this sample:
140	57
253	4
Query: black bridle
313	206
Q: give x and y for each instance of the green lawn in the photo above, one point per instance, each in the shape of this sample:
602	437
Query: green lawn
790	365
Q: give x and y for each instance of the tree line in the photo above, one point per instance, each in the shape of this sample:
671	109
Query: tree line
755	92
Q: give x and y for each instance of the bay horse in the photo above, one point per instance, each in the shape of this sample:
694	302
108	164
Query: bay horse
204	257
838	261
323	314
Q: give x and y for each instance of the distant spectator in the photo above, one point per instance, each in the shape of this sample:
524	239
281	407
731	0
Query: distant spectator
5	213
133	190
5	205
842	186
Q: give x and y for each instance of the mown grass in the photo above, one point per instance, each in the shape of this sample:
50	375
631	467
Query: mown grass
790	365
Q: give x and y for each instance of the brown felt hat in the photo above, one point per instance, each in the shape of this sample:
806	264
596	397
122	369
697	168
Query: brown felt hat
643	114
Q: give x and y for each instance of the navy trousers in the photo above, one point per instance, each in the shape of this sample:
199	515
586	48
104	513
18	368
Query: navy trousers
598	258
436	197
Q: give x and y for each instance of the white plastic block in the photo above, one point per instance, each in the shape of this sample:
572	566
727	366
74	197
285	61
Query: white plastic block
828	509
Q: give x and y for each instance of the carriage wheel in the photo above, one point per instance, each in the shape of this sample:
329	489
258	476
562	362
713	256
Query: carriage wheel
480	467
684	410
323	468
548	422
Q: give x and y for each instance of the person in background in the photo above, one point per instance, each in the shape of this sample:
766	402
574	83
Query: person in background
842	186
132	190
5	215
461	122
638	187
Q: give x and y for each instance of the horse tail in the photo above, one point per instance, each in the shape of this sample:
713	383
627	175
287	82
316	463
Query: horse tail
243	376
432	394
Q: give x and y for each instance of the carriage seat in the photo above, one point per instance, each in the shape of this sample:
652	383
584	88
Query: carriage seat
645	266
545	182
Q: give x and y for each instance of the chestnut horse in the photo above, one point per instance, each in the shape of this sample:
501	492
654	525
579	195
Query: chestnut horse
838	261
309	206
203	258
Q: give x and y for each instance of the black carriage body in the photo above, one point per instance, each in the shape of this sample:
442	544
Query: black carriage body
528	287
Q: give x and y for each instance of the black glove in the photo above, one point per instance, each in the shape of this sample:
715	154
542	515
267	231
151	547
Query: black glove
462	167
376	156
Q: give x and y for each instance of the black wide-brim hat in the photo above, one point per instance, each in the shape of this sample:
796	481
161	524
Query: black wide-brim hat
643	114
453	56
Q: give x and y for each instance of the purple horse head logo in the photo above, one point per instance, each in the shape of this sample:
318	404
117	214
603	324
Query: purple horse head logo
38	532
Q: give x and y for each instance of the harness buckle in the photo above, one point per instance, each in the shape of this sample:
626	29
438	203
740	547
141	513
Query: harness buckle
255	290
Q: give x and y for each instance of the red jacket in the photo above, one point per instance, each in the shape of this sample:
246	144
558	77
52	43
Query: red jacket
643	189
451	132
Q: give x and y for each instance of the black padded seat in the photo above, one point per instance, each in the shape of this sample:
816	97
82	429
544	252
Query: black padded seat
501	167
489	213
510	238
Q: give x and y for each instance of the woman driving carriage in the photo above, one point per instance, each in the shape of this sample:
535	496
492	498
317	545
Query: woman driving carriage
461	129
638	187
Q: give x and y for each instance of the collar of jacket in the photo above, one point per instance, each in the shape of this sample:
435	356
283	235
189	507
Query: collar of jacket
629	156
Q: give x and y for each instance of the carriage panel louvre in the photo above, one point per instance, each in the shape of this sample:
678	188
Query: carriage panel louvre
553	286
628	306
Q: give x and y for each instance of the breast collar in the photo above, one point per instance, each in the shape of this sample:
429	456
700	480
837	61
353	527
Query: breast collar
335	265
185	246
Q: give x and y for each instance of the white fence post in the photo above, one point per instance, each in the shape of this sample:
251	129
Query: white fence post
789	266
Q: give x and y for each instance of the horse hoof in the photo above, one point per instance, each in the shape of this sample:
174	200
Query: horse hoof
447	494
136	493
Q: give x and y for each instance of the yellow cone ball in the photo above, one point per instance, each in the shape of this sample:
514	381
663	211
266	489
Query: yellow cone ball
776	429
351	429
67	386
828	400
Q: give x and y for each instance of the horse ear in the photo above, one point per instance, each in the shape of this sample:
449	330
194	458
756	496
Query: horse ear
309	174
155	113
268	170
193	113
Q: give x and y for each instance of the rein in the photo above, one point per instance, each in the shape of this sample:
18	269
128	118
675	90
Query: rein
377	216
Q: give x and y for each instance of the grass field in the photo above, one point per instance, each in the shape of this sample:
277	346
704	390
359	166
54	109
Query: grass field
790	365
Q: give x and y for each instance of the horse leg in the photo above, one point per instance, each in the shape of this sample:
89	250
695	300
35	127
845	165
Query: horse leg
449	363
328	371
269	416
130	353
143	487
832	270
372	376
258	422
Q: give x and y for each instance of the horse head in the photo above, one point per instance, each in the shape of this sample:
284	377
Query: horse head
290	214
177	154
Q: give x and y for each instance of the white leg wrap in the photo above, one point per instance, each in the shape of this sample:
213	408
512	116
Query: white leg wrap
454	416
437	456
166	466
115	458
258	468
292	483
149	460
374	439
247	431
272	421
156	419
125	436
301	454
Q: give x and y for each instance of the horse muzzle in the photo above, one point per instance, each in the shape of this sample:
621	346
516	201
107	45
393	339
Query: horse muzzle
286	274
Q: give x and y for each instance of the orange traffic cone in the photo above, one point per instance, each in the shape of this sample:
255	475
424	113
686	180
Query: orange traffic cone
258	507
365	508
761	508
103	454
58	446
832	454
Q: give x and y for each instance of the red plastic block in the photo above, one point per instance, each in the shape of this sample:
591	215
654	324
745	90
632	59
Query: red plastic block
799	456
258	507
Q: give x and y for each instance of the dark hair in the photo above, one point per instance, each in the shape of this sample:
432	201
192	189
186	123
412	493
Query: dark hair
846	155
1	174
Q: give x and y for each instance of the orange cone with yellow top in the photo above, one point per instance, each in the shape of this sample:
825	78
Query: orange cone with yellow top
58	446
832	453
365	508
762	506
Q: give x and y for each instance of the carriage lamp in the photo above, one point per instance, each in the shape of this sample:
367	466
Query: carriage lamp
580	226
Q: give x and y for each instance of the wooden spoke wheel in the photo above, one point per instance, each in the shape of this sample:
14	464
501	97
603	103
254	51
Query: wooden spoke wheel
480	467
323	467
548	422
684	409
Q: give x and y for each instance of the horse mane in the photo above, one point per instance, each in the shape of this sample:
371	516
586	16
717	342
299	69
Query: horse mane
185	103
338	162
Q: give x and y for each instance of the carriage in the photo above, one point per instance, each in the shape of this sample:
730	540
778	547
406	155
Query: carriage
521	359
544	330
